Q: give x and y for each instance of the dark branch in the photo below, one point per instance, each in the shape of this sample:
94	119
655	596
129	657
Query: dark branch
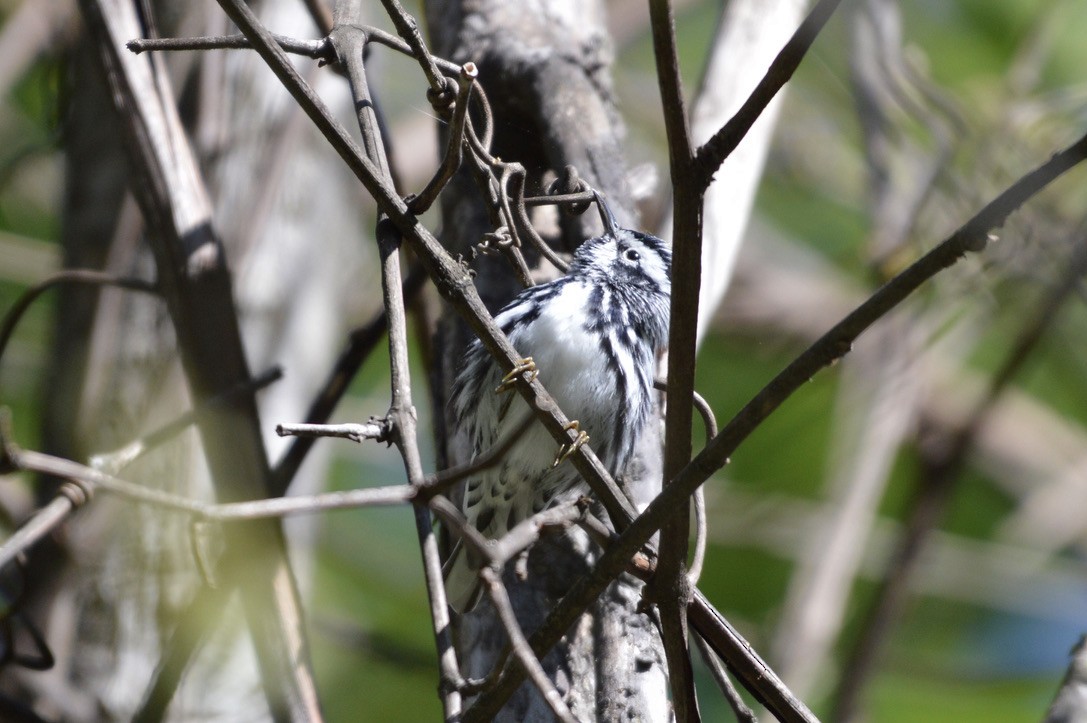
713	153
74	276
756	676
670	586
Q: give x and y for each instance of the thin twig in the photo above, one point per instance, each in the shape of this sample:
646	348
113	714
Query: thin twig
316	49
487	117
530	230
527	532
41	524
561	199
455	520
698	557
376	429
714	151
402	416
521	649
361	342
74	276
74	494
408	29
113	462
443	480
743	713
454	148
709	420
92	479
511	246
284	506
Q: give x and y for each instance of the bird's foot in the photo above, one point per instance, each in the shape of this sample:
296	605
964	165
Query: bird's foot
566	450
523	366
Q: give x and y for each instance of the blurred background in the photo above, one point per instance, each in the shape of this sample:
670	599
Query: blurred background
903	540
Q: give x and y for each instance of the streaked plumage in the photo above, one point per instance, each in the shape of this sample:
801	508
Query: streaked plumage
594	335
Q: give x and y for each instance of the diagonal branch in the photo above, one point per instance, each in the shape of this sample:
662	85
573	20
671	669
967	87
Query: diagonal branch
971	237
938	478
452	280
714	152
519	644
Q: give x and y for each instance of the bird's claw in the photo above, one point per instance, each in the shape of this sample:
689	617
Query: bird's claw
566	450
522	366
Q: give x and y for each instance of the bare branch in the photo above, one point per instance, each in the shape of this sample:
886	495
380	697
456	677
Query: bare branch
453	153
401	416
745	663
360	343
75	276
113	462
720	676
455	285
376	429
527	532
408	29
521	649
444	479
317	49
454	518
714	152
942	468
283	506
70	497
671	589
972	236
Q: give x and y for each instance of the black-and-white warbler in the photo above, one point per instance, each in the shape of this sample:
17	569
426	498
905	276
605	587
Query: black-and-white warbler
593	335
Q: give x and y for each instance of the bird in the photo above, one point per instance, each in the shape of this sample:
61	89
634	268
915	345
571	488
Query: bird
593	337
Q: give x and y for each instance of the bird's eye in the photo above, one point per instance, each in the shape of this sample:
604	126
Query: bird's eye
632	255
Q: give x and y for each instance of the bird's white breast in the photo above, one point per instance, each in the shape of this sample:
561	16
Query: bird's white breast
569	358
571	366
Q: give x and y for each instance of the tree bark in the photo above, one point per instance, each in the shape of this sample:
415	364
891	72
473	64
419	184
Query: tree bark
545	67
116	372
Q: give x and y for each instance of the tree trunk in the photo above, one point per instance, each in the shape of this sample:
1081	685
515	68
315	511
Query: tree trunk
546	69
116	375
